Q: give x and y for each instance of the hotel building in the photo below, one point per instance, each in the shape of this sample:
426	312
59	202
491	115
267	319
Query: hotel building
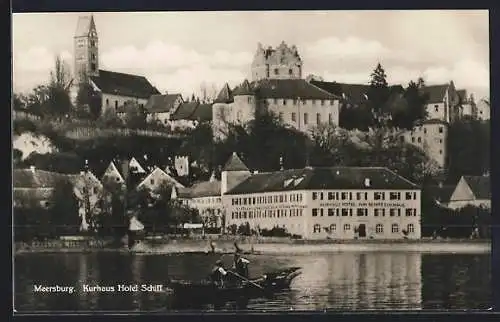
322	203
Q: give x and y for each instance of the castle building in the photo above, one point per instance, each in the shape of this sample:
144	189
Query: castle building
443	106
282	62
322	203
114	88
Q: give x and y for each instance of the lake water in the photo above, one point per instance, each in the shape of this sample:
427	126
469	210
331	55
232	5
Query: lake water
336	281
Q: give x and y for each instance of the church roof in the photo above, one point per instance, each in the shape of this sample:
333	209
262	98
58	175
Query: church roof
124	84
161	103
235	164
225	95
84	25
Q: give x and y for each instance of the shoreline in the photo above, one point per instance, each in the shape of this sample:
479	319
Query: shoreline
289	247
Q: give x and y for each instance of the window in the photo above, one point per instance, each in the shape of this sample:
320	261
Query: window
249	99
345	212
294	117
253	200
440	140
361	212
315	212
333	227
330	118
306	120
107	102
408	196
321	212
116	104
275	101
94	189
284	102
392	212
379	228
413	139
317	228
92	67
92	43
419	140
436	108
313	102
276	71
322	102
359	196
411	228
344	195
440	151
318	118
379	212
290	72
347	227
331	196
395	196
378	196
440	129
395	228
281	116
425	131
409	212
331	212
331	102
152	181
315	195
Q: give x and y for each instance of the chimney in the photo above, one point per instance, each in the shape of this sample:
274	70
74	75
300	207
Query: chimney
367	182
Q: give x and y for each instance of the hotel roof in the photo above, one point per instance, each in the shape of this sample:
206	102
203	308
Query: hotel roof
331	178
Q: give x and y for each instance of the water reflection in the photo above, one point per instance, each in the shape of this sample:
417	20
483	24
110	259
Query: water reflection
340	281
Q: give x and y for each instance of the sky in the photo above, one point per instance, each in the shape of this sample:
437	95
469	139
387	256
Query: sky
180	51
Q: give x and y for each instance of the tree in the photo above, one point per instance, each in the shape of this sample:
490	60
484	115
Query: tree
378	94
88	101
135	116
329	146
64	209
468	148
109	119
411	108
62	162
59	100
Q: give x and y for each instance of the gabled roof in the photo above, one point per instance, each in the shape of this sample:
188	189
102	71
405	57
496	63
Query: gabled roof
124	84
203	113
205	189
352	92
167	177
113	169
480	186
225	95
185	111
290	88
161	103
136	166
244	89
435	93
235	164
84	25
334	178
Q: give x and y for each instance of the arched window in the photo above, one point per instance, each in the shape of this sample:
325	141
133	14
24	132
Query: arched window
411	228
379	228
317	228
333	228
395	228
107	102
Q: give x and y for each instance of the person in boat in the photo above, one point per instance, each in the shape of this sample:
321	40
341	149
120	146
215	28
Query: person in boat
218	274
240	265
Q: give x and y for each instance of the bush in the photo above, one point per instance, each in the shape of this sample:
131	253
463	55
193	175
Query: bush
275	232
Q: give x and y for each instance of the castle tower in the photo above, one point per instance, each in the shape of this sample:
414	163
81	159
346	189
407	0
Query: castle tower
86	51
245	104
282	62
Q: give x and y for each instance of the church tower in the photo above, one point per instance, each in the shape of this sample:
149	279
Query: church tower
86	50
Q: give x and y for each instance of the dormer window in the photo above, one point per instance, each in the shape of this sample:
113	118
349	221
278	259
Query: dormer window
287	182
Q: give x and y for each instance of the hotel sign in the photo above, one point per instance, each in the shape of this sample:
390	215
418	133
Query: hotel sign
370	204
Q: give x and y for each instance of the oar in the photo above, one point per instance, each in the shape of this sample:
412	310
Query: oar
246	280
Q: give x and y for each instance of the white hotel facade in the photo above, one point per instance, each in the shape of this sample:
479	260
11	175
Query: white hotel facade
322	203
